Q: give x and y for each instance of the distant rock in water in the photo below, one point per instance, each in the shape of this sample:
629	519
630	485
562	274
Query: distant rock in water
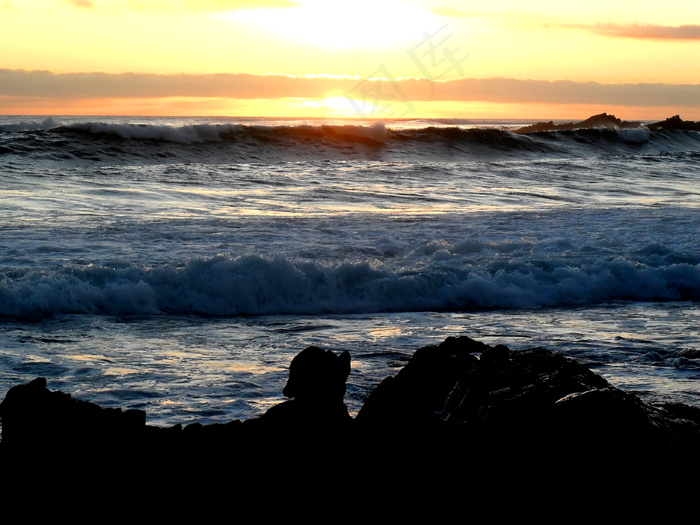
602	121
675	123
448	401
605	121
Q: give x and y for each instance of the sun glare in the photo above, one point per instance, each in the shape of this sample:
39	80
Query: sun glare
341	107
330	24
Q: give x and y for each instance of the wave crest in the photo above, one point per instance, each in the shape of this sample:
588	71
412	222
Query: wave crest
95	141
254	285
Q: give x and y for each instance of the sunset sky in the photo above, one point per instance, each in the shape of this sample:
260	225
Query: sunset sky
539	59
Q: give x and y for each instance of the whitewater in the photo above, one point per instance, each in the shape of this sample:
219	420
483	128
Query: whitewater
177	265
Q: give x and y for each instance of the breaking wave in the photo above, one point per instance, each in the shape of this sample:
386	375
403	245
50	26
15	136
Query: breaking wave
254	285
102	141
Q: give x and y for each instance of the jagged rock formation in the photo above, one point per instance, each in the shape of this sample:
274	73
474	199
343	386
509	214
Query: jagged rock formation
601	121
605	121
675	122
448	401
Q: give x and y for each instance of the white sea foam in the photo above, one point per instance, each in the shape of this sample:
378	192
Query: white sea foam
254	285
31	125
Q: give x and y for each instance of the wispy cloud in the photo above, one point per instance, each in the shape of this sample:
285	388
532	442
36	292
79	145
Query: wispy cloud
611	29
452	12
85	4
44	84
214	6
235	5
643	31
569	92
200	6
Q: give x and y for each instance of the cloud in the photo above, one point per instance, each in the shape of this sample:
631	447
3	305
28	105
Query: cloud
233	5
198	6
144	85
643	31
451	12
86	4
44	84
507	90
634	31
209	6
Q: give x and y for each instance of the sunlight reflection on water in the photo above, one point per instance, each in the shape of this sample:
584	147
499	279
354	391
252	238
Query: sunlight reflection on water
209	370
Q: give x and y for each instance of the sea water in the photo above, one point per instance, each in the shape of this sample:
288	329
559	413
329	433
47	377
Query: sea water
178	265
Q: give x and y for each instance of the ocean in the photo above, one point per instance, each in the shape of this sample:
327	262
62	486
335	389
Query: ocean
177	265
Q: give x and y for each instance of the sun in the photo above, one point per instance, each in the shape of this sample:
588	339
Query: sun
345	25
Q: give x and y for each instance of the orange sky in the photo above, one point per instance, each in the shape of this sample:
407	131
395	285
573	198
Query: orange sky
328	58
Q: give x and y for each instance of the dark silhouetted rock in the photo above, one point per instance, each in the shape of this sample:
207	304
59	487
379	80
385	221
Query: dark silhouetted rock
452	406
605	121
417	394
610	419
317	385
675	122
516	388
317	375
37	420
540	400
601	121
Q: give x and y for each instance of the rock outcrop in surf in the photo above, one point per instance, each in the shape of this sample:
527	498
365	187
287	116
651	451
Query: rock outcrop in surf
605	121
675	122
